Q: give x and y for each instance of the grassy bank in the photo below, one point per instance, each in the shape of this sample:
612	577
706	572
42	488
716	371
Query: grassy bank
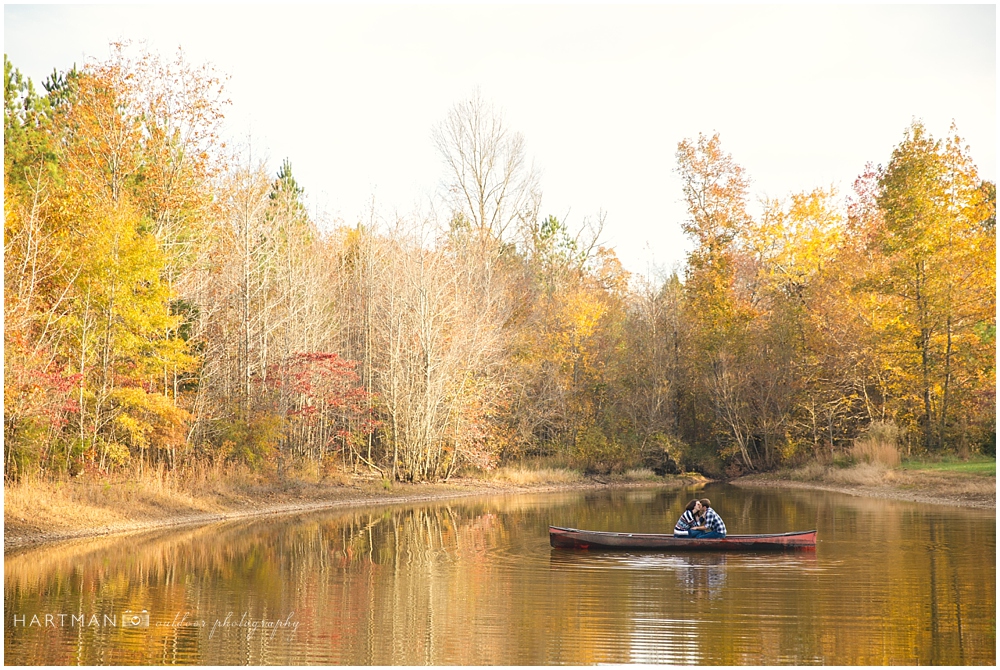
949	481
37	511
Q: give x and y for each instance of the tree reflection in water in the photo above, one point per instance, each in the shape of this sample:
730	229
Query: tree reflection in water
476	583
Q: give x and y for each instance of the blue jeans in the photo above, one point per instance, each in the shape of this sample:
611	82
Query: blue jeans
707	534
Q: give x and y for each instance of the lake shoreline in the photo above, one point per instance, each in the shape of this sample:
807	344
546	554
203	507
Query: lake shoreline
152	512
19	532
922	487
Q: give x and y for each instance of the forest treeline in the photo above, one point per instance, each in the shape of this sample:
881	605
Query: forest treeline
169	302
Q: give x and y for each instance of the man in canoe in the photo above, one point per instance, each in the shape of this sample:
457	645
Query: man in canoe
714	526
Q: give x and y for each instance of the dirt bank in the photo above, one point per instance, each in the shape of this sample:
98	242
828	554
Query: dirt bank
937	488
50	512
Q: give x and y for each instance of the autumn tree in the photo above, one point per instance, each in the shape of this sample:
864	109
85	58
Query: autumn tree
489	183
88	158
37	379
438	339
802	380
168	299
938	267
547	341
265	319
38	273
719	286
653	371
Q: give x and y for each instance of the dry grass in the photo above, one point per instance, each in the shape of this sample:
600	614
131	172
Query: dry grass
640	475
809	472
944	483
65	504
878	445
862	474
521	476
966	484
875	451
104	501
535	473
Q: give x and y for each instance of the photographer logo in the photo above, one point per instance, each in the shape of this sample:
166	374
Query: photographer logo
128	619
132	619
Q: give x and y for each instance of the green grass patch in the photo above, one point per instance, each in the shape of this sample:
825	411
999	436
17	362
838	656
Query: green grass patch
980	465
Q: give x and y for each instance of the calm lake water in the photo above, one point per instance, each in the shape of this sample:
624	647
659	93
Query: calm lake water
476	583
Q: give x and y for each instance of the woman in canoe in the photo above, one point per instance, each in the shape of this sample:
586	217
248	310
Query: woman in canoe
689	523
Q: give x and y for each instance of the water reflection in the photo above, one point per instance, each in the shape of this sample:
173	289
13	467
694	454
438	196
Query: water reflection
694	574
476	583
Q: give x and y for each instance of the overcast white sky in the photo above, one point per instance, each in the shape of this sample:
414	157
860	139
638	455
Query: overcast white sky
802	96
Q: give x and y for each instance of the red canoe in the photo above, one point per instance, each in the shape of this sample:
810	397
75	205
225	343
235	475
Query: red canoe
571	538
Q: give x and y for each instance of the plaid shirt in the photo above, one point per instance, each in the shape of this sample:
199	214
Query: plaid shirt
714	522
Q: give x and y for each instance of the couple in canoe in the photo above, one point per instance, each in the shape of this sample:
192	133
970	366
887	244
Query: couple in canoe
700	521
